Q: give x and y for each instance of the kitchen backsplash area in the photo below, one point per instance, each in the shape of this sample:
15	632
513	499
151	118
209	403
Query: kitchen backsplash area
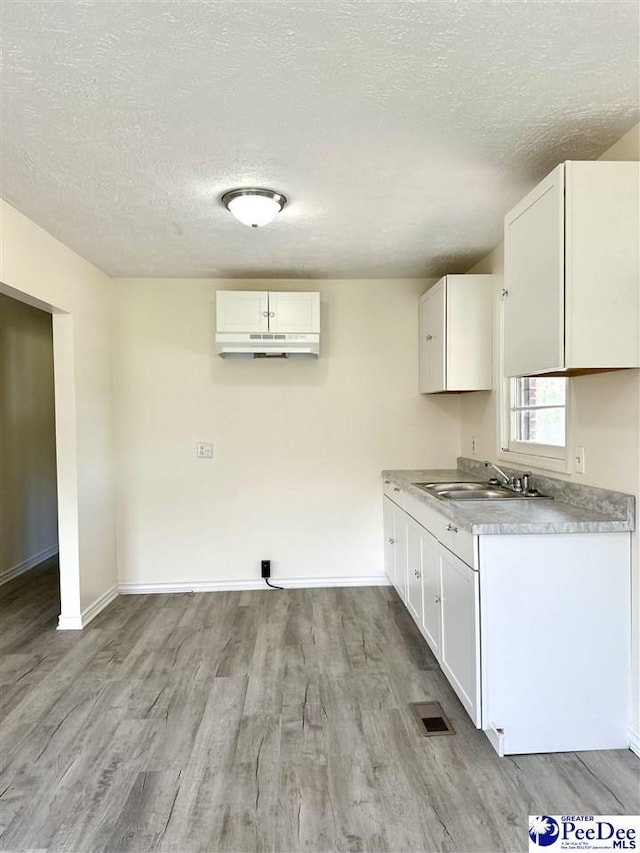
593	498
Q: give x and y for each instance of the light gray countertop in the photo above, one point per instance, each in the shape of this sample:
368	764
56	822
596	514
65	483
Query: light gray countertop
574	509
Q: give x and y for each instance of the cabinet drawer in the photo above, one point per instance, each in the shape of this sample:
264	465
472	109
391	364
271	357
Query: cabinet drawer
423	514
394	492
461	542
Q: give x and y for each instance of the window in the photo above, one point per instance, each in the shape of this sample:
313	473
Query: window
538	408
537	422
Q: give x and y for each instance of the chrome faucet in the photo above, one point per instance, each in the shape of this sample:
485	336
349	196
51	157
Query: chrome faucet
508	481
517	483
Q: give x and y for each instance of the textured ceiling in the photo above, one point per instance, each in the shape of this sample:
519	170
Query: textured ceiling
400	131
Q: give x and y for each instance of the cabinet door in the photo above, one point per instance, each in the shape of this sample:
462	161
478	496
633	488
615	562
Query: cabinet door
431	592
602	264
426	336
294	312
432	339
469	332
388	525
555	641
400	546
242	311
414	570
534	280
460	650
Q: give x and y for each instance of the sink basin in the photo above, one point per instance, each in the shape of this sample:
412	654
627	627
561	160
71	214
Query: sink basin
436	488
475	491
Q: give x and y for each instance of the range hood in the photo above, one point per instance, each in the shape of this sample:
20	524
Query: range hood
266	345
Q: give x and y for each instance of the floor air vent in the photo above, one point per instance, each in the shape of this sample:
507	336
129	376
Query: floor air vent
431	719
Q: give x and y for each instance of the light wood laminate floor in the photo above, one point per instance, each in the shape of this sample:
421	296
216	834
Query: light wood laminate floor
257	721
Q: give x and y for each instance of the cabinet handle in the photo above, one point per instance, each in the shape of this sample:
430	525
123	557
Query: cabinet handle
429	338
437	599
452	527
272	313
265	313
392	541
504	292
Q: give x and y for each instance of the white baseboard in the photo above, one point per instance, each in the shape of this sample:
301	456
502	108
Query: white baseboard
77	623
634	740
13	572
99	605
69	623
258	583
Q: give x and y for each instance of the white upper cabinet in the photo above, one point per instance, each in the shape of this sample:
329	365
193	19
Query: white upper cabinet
242	311
534	280
433	339
294	312
262	311
456	322
572	272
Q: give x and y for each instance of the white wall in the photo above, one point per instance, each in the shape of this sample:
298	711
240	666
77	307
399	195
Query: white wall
298	444
40	270
604	418
29	517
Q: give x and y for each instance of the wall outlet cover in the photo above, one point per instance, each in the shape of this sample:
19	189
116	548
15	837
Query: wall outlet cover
204	450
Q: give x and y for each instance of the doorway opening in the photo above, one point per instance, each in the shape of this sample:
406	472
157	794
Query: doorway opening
28	471
38	477
28	478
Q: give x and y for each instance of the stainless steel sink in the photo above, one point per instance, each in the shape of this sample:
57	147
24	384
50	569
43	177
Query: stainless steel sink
475	491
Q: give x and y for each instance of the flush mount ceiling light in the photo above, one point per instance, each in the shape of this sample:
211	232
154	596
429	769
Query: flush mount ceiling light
253	206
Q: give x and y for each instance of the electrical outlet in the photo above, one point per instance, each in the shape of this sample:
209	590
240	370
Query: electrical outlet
579	459
473	445
204	450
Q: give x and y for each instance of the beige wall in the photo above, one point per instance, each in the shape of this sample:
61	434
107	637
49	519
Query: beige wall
40	270
28	506
604	418
298	444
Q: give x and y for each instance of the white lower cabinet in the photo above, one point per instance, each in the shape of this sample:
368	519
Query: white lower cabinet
414	569
431	591
555	647
395	546
440	591
400	547
459	656
534	636
389	527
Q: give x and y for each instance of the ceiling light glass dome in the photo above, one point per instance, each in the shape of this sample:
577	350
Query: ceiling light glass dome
254	206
